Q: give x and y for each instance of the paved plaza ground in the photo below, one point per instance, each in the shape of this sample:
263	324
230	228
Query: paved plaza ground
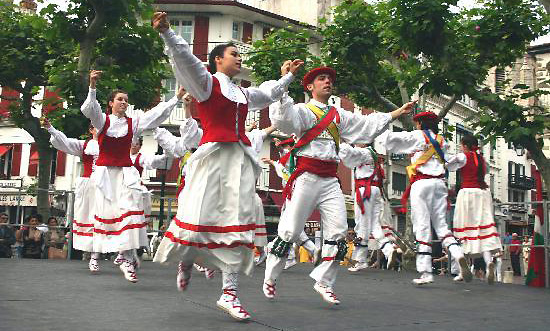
62	295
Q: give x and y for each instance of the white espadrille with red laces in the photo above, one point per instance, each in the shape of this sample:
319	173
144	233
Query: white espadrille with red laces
230	303
183	277
326	293
269	290
118	260
93	265
127	268
209	273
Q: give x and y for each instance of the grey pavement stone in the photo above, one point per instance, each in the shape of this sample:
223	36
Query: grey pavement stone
62	295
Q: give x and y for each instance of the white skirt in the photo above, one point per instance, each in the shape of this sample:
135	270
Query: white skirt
83	223
473	222
119	221
216	217
260	236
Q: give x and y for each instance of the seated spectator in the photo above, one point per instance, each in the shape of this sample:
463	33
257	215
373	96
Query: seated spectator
7	236
54	239
32	238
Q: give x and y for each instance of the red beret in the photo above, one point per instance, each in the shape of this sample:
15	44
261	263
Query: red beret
430	115
310	75
288	141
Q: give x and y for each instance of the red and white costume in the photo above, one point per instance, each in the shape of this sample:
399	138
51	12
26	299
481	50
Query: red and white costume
256	138
88	151
119	214
473	222
318	186
217	224
428	195
369	202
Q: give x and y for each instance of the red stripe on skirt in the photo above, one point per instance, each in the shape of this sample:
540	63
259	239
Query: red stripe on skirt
260	226
468	228
118	219
329	258
260	234
83	225
210	245
424	243
84	234
116	233
480	237
215	229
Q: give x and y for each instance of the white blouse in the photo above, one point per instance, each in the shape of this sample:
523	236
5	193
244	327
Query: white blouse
359	159
297	118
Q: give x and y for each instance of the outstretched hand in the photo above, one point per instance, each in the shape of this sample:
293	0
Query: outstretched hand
160	22
405	109
267	160
291	66
45	122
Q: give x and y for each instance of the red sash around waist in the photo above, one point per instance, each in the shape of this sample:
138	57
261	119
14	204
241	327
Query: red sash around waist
315	166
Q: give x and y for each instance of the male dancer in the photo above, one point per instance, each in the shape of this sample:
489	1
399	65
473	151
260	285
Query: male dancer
313	183
368	175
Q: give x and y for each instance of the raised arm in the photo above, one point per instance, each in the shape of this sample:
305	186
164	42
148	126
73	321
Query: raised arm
353	157
288	117
189	70
404	142
91	108
191	135
455	162
60	141
155	161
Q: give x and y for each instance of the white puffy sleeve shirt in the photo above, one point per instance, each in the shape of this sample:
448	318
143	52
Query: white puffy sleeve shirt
118	127
190	137
61	142
357	158
414	143
148	161
354	128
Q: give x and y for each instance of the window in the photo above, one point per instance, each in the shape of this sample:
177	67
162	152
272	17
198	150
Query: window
500	78
491	151
184	28
236	31
461	131
171	86
398	183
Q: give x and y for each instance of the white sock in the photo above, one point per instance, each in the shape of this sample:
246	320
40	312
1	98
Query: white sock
230	280
94	256
488	258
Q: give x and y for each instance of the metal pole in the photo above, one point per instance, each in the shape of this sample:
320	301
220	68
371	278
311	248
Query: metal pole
19	203
162	189
70	219
169	210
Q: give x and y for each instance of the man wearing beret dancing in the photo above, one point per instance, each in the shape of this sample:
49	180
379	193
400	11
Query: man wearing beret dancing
313	183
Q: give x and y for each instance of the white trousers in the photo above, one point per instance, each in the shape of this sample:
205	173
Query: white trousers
310	192
368	223
429	208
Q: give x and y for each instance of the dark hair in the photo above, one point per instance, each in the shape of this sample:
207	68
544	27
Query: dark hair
37	216
429	124
219	50
51	218
472	143
112	98
4	214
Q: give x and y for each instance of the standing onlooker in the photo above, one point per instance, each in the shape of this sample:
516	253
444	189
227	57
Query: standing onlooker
515	252
525	250
31	237
54	240
7	236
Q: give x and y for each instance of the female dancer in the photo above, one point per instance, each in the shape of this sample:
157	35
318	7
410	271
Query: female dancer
88	151
473	222
119	221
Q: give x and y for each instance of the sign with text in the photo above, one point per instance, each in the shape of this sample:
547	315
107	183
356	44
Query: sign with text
12	200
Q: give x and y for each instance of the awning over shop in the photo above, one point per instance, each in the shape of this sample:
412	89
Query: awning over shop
4	149
12	135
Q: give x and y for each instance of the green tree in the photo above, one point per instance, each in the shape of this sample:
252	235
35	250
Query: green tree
58	48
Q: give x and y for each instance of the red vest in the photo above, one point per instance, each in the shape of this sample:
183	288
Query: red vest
137	166
469	173
87	162
114	152
222	119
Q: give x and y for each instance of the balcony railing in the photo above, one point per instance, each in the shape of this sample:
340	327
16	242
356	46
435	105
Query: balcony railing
521	182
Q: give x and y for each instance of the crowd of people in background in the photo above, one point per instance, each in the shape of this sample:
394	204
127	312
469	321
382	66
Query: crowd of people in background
34	239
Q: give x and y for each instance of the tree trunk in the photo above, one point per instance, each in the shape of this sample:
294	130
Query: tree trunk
542	162
44	171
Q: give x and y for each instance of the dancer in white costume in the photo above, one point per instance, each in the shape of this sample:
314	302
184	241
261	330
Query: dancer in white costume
473	222
216	227
428	191
368	176
314	183
88	151
282	171
257	137
141	162
119	221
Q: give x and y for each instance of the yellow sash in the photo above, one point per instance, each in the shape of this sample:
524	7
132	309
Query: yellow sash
332	128
182	163
411	170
